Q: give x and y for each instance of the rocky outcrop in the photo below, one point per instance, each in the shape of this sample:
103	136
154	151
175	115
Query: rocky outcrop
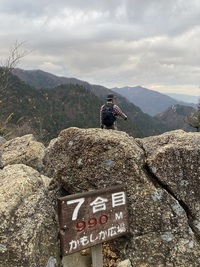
162	178
24	150
174	161
28	223
160	228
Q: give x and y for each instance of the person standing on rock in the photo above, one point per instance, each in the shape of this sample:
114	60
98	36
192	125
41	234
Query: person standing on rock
109	113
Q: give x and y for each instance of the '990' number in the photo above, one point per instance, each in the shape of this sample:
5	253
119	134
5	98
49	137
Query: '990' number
81	225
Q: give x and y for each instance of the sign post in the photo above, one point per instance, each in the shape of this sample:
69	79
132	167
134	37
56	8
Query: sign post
91	218
97	256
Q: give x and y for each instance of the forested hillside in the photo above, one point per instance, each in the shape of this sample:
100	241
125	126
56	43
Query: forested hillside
177	116
46	111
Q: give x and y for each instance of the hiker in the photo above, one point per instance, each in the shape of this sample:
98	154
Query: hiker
108	113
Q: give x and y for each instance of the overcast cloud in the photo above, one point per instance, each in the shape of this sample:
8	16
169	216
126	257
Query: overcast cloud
152	43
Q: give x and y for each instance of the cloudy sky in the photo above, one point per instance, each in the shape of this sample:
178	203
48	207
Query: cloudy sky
114	43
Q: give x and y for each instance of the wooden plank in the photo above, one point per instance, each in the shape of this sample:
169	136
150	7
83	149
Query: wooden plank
97	256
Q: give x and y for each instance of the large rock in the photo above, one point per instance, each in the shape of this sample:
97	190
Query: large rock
2	140
160	233
28	223
162	178
24	150
174	160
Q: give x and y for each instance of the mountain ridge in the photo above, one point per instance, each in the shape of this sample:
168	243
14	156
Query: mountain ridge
46	111
184	98
150	101
140	124
137	95
177	116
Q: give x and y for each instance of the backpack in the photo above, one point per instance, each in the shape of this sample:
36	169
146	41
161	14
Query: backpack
107	115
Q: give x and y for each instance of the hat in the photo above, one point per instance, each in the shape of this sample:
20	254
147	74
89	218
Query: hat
110	96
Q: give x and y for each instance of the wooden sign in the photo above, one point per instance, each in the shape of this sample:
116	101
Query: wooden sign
93	217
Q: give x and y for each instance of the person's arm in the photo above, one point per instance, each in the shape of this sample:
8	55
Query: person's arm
119	112
101	124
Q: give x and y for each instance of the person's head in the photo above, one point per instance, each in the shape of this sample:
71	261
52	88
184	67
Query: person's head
110	97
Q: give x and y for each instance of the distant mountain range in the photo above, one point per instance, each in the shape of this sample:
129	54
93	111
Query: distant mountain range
41	79
44	104
176	117
150	102
184	98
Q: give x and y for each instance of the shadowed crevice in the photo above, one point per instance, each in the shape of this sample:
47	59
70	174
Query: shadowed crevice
157	183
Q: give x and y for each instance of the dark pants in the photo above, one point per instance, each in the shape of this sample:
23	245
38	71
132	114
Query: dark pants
112	127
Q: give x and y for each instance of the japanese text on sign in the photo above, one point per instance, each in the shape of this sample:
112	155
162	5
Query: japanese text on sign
93	217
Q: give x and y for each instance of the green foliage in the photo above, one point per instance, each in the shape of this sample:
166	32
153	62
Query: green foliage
194	119
45	112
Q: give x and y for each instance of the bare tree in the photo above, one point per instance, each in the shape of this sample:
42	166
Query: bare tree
7	66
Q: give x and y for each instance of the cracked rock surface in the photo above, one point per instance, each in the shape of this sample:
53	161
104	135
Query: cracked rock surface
162	178
162	175
174	161
28	229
